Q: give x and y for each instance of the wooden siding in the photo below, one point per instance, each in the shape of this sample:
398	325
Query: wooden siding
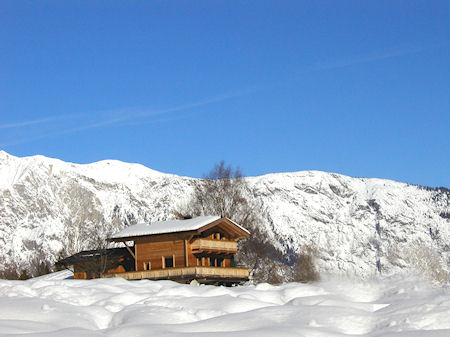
80	275
118	269
150	251
216	246
185	273
154	252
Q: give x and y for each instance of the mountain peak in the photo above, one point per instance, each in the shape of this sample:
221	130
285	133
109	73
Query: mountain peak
359	226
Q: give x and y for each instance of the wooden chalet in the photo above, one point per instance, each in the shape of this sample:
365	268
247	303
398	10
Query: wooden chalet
201	249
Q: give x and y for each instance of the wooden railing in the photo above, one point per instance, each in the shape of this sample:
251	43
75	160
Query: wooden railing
184	273
214	246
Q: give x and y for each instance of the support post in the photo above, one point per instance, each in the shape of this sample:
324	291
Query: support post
186	258
132	254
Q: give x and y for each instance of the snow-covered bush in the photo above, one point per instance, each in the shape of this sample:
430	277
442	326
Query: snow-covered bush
428	263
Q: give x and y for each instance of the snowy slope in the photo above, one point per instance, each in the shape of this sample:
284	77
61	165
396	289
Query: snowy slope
355	222
358	226
115	307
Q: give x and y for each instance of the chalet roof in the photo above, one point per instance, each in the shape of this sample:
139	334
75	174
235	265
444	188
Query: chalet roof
92	255
170	226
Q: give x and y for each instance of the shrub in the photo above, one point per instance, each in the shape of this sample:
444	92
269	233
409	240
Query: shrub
304	268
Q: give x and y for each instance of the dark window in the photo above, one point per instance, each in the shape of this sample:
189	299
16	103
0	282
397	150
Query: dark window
212	261
219	262
168	261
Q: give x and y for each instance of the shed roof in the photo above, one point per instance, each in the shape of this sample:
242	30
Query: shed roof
170	226
93	255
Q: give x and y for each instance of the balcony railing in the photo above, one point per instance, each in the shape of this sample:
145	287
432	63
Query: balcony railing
185	273
217	246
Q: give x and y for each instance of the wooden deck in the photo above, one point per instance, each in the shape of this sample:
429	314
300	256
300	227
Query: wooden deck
207	274
205	245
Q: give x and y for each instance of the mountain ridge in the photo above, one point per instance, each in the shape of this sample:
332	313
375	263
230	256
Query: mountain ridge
359	226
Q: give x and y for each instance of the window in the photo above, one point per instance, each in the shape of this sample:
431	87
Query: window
215	236
216	262
169	262
147	265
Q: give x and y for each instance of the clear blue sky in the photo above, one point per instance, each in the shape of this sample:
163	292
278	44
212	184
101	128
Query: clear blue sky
354	87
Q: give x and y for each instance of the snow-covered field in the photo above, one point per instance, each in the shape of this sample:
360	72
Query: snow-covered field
51	306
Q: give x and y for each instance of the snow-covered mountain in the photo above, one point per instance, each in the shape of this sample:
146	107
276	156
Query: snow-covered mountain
358	226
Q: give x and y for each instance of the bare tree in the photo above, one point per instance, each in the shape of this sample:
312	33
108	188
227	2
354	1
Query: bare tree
304	268
102	261
224	192
14	272
96	260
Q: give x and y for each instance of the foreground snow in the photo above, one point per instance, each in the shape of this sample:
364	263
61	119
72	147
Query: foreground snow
50	306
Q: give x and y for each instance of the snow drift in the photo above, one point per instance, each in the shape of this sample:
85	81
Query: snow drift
48	306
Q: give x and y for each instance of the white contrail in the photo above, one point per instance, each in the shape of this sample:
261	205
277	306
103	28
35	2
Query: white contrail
135	115
375	56
120	116
35	121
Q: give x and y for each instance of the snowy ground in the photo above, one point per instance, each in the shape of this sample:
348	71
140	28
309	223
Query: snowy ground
50	306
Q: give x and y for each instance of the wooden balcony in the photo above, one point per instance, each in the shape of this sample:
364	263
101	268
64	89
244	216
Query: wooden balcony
214	246
201	274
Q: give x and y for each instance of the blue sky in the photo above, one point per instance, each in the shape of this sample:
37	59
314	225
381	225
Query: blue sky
354	87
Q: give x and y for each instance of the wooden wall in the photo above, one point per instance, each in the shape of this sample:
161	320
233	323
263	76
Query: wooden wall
151	251
154	252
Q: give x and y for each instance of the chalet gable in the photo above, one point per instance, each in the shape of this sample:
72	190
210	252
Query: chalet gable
199	226
226	228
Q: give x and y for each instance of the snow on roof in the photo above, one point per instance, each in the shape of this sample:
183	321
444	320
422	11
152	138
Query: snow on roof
169	226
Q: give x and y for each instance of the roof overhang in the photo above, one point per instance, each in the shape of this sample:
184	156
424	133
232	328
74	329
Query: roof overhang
239	231
134	232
